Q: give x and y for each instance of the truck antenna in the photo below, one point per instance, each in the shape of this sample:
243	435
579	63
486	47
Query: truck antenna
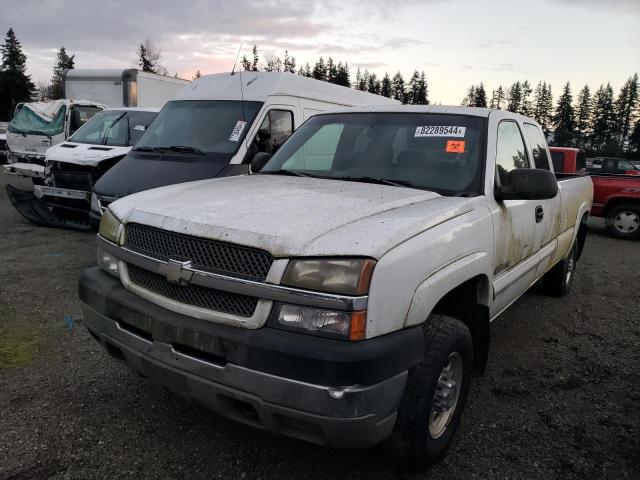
233	71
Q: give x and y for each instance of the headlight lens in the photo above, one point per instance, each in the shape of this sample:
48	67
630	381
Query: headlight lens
108	262
109	225
349	325
342	276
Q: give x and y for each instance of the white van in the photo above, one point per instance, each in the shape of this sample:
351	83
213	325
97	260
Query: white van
215	126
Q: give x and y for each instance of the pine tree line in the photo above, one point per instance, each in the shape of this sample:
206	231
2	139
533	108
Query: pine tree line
415	91
599	123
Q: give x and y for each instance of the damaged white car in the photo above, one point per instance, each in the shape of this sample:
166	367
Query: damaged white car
61	195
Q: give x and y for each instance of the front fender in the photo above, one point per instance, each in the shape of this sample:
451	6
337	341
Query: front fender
434	288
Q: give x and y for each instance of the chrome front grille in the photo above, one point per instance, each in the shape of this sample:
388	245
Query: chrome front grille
195	295
208	255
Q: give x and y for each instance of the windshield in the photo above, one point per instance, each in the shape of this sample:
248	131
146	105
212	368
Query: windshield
204	126
121	128
28	122
436	152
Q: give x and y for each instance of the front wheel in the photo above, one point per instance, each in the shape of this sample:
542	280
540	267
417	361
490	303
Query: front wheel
435	393
623	221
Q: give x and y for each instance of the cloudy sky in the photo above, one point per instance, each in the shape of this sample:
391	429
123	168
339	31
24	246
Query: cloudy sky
456	42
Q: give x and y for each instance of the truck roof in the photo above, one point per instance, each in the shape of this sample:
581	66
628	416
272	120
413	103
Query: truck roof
257	86
48	110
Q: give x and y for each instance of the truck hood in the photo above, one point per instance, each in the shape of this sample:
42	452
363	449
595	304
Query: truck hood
84	153
293	216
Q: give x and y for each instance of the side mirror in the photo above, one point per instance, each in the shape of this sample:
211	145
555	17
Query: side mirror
528	184
259	160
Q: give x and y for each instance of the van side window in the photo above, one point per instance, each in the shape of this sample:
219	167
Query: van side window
274	130
538	146
510	150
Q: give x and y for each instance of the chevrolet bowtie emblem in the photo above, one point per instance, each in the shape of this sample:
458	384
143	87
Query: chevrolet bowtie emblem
177	272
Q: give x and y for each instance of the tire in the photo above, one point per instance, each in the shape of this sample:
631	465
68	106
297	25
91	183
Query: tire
417	438
557	281
623	221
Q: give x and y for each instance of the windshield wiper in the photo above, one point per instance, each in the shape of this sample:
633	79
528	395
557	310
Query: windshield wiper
183	149
148	149
284	171
381	181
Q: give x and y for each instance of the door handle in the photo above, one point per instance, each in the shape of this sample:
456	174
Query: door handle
539	214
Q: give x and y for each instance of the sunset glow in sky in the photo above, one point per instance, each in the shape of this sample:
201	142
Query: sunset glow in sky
456	42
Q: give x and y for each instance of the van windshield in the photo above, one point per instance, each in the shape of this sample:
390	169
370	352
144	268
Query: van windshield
438	152
122	128
203	126
28	122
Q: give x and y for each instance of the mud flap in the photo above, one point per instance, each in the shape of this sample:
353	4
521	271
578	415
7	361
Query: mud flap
38	212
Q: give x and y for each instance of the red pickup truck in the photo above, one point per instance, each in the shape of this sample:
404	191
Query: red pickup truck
616	197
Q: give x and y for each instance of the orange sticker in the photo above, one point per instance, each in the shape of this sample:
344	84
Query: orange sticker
455	146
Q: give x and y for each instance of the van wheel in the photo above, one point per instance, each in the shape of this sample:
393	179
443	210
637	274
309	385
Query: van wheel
557	281
435	393
623	221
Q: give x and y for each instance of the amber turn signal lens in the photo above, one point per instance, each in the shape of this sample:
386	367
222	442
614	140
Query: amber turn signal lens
358	326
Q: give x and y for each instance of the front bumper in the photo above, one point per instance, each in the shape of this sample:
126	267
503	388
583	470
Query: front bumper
326	391
41	211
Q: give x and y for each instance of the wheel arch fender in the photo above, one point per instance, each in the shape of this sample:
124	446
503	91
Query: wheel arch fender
462	290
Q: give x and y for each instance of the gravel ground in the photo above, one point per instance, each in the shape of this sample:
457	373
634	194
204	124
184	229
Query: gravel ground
560	399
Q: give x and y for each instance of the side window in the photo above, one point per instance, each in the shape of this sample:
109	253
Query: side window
558	161
274	130
538	146
318	152
510	150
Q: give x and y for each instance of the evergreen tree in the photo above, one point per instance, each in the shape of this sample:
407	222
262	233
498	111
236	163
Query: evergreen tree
343	75
467	101
543	106
412	92
603	139
319	70
515	97
15	85
385	86
398	88
251	65
498	98
526	108
289	63
332	71
422	95
373	84
196	75
363	81
564	119
584	110
626	105
480	96
63	62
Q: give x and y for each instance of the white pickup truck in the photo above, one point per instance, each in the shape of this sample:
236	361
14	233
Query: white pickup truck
341	293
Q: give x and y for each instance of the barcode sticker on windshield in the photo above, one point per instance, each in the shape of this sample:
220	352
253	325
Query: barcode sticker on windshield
237	131
440	131
142	128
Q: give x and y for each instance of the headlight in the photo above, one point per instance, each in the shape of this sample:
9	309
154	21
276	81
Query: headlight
349	325
343	276
95	203
109	225
108	262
